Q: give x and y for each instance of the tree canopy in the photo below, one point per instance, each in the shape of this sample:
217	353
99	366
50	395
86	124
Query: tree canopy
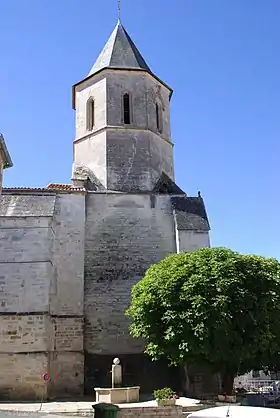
213	306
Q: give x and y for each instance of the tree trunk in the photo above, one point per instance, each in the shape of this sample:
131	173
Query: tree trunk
189	389
187	380
227	381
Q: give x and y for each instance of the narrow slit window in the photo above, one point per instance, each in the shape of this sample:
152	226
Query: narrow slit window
158	117
126	109
90	114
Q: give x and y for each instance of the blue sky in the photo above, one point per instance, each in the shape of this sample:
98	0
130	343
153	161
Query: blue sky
222	59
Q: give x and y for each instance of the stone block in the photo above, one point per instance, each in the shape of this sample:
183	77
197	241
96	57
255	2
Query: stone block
147	412
117	395
25	245
25	287
24	334
68	255
67	374
68	333
21	376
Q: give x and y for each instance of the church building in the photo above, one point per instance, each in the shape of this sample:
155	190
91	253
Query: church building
71	253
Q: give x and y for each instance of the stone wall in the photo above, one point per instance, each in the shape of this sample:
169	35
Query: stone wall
67	296
147	412
144	91
25	286
67	371
41	294
24	333
90	146
191	240
26	241
67	266
94	88
124	157
68	333
67	292
125	234
91	152
20	376
24	344
136	159
137	154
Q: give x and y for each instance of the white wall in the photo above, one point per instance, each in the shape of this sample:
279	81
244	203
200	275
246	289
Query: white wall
191	240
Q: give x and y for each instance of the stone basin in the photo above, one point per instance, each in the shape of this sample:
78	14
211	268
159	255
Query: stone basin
117	395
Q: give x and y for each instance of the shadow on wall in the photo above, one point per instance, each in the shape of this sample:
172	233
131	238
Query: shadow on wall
138	370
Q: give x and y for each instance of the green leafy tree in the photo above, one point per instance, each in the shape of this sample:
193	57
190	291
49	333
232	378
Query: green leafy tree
214	307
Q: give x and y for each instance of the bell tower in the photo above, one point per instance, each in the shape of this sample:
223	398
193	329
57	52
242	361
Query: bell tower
122	139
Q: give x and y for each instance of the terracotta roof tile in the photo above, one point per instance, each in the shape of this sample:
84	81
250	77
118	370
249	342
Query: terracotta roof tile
57	186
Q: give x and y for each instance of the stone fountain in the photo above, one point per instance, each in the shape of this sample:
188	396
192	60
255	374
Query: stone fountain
117	394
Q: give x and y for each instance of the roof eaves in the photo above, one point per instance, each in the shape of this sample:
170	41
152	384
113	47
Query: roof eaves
7	158
35	190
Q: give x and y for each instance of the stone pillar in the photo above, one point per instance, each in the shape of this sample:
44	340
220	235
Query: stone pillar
116	373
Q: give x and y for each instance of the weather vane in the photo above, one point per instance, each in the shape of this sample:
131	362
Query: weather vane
119	10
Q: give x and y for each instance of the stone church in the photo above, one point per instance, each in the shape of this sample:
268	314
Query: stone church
70	253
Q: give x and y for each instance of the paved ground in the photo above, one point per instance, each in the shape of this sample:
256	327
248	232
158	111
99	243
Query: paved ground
75	408
30	415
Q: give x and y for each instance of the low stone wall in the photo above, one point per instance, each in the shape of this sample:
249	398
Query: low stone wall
147	412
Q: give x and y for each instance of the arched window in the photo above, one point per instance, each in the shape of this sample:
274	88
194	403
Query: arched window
159	117
90	114
126	109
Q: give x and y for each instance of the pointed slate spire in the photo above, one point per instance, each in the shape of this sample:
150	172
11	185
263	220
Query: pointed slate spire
120	52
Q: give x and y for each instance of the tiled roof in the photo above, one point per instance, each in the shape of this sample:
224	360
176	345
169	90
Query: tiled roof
190	213
35	189
56	186
165	185
120	52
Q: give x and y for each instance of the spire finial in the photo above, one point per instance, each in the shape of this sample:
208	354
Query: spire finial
119	10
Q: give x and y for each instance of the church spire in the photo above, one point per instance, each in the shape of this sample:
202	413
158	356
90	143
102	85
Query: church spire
119	52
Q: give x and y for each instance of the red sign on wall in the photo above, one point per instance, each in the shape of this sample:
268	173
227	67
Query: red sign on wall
46	377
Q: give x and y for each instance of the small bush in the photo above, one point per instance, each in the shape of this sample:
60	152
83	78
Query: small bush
165	393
